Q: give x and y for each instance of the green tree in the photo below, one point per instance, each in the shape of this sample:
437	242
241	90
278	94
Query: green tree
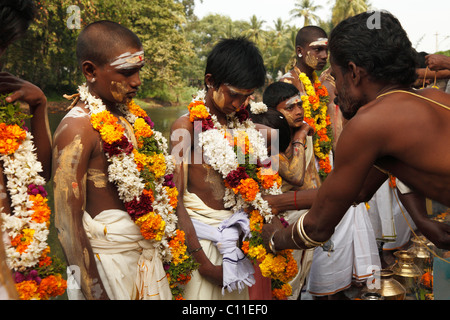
306	9
254	32
344	9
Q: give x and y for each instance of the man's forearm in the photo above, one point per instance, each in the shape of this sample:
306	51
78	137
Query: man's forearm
292	200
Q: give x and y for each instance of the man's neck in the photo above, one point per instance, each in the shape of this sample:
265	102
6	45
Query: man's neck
214	110
305	69
379	89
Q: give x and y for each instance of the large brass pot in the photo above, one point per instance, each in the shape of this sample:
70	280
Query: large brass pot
387	287
406	271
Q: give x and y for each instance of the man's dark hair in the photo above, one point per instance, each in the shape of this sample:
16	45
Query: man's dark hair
385	53
278	92
276	120
307	34
236	62
15	18
98	39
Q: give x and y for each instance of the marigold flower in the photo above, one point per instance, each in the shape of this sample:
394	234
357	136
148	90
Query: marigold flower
248	188
27	290
152	227
197	110
41	209
173	196
136	109
11	137
142	129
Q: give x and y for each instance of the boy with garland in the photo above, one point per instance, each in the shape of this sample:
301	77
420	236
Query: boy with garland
220	189
330	272
25	164
113	188
285	98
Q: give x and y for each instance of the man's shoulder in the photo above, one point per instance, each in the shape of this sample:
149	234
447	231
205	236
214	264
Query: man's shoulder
75	123
182	122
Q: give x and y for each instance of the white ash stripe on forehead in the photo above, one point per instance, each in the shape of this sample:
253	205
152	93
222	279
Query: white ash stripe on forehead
294	99
319	42
128	60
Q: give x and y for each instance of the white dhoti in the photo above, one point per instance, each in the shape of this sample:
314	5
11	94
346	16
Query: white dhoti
129	265
355	255
302	257
211	226
387	218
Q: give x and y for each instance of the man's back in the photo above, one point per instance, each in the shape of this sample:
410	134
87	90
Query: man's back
408	136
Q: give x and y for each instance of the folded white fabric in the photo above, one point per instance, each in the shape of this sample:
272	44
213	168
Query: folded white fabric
237	269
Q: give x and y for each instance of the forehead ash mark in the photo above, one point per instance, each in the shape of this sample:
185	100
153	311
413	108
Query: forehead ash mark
128	60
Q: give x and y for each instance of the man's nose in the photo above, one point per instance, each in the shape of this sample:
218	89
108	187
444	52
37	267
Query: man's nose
135	80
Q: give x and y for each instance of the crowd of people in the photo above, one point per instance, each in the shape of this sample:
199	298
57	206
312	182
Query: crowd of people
248	200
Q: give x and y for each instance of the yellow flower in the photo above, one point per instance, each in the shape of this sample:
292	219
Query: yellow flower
257	252
140	159
110	133
142	129
315	108
158	165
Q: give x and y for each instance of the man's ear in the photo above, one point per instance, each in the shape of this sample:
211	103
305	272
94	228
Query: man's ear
299	51
209	81
89	70
356	73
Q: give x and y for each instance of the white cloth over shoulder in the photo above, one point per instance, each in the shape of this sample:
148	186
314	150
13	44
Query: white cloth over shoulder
128	265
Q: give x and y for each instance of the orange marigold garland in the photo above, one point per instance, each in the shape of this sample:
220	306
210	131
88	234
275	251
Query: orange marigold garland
143	176
37	275
315	105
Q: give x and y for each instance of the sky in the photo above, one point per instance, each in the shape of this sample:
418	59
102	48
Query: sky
422	19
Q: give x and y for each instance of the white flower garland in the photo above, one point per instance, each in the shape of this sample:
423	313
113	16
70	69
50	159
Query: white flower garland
222	158
22	169
123	172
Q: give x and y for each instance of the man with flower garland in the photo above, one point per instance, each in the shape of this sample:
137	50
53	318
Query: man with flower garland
234	70
108	215
343	264
16	16
392	130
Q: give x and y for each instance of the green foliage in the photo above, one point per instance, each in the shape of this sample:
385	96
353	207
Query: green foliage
176	42
10	113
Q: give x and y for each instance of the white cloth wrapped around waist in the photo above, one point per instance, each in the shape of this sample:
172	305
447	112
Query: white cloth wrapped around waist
128	261
223	228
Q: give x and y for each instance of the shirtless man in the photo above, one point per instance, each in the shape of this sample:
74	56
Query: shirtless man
234	71
391	127
311	45
110	57
16	16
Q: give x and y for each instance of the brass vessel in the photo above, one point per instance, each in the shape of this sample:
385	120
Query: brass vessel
406	271
371	296
422	254
388	287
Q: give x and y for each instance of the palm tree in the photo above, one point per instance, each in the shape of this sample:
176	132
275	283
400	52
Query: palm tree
306	9
255	32
344	9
